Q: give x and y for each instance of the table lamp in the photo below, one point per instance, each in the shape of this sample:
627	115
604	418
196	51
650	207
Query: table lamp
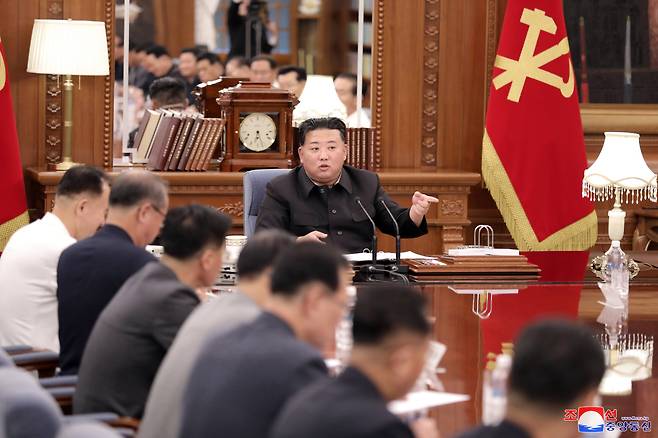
620	173
68	47
319	99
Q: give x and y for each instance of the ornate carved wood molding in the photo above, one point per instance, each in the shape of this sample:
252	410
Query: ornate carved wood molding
108	92
232	208
53	99
490	47
430	83
379	81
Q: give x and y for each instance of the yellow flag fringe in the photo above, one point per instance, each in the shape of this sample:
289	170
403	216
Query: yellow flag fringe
578	236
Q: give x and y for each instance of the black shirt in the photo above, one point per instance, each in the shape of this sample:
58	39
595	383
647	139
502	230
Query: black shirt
241	380
506	429
294	203
348	407
89	274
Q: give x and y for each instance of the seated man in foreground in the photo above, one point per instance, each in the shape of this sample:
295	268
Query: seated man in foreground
557	365
219	315
391	338
241	379
134	332
28	266
321	199
91	271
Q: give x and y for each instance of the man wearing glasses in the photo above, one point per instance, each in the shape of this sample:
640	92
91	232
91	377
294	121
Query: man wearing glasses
91	271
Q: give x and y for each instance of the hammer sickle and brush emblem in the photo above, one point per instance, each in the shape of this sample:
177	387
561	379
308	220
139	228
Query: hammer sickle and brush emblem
529	64
3	72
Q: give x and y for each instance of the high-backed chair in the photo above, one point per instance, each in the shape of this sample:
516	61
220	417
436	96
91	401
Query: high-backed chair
255	183
29	411
26	410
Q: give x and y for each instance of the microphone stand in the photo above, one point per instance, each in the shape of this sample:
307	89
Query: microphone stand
375	271
401	269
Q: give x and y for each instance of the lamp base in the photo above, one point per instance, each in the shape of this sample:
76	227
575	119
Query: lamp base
598	266
66	164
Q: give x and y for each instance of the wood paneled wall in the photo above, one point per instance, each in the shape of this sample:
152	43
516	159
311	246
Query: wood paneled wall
37	99
431	72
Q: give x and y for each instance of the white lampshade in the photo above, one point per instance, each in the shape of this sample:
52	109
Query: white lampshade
620	166
68	47
319	99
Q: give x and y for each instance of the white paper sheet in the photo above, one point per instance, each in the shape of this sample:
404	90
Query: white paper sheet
421	400
381	255
474	251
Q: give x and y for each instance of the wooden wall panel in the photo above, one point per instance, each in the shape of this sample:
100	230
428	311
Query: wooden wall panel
401	80
15	30
174	24
461	84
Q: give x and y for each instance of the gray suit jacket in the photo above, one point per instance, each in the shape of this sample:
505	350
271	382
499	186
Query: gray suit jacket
165	403
130	340
241	379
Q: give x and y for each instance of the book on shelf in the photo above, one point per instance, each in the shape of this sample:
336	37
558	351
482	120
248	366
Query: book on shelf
203	148
140	130
163	142
189	144
203	137
140	155
214	144
184	130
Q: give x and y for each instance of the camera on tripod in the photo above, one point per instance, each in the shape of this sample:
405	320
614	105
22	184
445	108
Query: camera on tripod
256	8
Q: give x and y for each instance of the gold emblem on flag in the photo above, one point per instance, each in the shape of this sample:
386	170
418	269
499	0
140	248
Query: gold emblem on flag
529	64
3	73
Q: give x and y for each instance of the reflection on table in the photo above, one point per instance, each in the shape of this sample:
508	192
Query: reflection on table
564	290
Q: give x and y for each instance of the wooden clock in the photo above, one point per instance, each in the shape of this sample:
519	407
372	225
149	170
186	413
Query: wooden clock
259	132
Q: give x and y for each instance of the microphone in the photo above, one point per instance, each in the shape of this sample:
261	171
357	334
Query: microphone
374	230
397	231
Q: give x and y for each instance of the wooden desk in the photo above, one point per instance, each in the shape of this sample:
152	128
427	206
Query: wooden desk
224	191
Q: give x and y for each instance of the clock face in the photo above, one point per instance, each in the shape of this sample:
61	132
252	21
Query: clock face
257	132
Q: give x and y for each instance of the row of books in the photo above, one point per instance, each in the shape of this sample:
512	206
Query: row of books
170	140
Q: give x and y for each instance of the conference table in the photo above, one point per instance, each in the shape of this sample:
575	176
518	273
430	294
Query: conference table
473	318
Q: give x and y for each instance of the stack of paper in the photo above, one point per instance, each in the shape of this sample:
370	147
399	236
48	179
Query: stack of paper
366	256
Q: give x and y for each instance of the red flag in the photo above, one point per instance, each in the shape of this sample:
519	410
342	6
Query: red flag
533	150
13	208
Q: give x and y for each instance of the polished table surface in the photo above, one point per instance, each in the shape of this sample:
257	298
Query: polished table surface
564	290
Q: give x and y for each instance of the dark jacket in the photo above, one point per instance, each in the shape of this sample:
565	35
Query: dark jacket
242	379
129	341
348	407
505	429
294	203
237	32
89	274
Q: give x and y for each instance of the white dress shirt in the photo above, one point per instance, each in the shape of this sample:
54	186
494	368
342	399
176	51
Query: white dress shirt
28	283
353	122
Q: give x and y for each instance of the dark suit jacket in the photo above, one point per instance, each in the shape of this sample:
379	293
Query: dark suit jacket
130	340
295	204
89	274
241	380
505	429
348	407
237	26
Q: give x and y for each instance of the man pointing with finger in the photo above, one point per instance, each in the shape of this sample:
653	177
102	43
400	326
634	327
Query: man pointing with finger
319	200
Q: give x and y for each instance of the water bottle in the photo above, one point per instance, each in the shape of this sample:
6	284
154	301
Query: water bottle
344	332
495	395
617	272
